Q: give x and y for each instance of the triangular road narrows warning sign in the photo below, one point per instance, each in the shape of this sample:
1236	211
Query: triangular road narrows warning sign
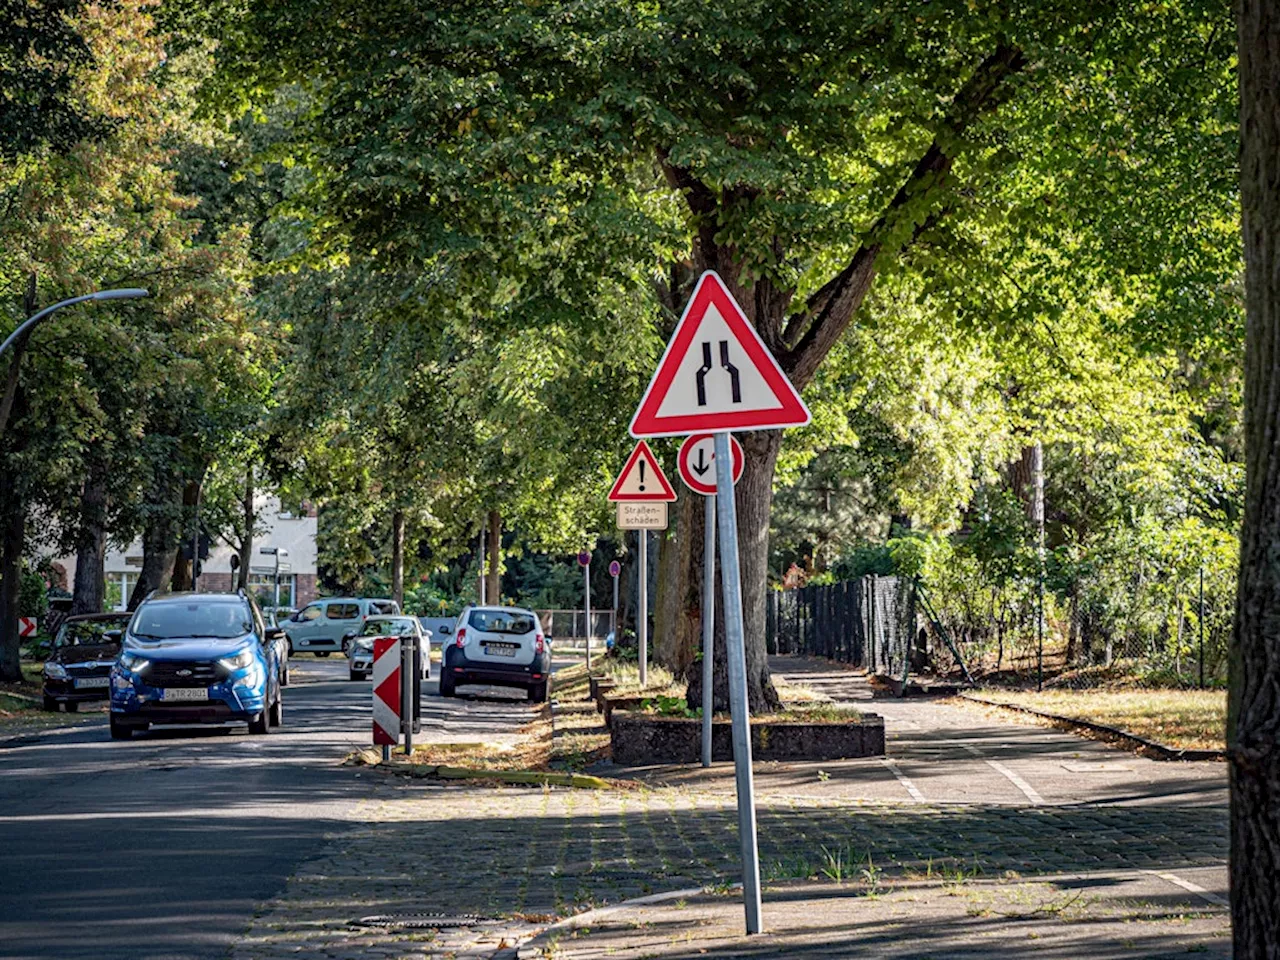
641	478
716	374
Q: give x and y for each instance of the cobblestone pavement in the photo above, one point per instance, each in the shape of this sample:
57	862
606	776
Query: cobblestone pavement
521	855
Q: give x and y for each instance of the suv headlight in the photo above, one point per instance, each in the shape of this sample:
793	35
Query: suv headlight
132	662
239	661
55	671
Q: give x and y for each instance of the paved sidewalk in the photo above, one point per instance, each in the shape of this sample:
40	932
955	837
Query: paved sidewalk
1095	916
964	795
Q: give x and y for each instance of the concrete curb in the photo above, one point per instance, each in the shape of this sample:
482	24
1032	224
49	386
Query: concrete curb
423	771
1158	751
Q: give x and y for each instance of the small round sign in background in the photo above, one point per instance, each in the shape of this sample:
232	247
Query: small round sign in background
584	558
615	568
698	462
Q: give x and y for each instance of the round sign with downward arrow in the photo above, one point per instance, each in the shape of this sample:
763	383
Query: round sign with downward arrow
698	463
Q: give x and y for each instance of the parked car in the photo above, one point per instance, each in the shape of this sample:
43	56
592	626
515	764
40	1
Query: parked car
197	658
79	665
320	626
502	646
360	645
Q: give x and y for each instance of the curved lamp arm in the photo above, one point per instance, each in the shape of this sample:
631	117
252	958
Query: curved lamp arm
126	293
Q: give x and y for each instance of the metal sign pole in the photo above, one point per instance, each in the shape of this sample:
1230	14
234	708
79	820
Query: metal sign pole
406	693
708	624
586	605
735	650
642	621
613	618
275	601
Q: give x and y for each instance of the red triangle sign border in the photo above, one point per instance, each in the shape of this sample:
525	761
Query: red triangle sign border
711	289
664	492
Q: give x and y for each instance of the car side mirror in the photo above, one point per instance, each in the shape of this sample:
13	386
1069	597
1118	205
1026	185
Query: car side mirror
273	633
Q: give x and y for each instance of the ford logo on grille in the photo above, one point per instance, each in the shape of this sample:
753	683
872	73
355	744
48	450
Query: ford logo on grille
184	673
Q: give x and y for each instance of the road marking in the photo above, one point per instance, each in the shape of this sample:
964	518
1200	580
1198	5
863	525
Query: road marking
1017	781
1190	887
916	795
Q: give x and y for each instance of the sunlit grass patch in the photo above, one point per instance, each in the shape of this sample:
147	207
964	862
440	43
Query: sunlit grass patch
1182	719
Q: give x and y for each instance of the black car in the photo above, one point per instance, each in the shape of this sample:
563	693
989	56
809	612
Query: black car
79	665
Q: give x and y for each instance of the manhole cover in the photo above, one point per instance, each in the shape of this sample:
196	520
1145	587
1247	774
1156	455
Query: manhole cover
420	921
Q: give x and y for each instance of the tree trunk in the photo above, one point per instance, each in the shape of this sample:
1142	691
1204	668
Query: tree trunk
183	568
678	625
91	542
159	539
397	557
493	583
14	531
1253	713
246	541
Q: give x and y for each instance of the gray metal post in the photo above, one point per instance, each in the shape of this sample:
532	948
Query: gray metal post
708	625
586	606
406	693
642	620
735	650
613	619
195	545
275	602
484	524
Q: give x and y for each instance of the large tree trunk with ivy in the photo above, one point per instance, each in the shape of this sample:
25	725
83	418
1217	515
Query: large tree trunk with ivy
183	568
1253	720
88	592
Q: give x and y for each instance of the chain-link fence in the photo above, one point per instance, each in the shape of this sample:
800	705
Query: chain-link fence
572	624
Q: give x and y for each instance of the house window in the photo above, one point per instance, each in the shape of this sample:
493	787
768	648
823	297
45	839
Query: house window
119	588
262	586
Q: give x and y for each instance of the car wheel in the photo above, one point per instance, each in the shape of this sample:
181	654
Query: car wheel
446	684
323	653
275	716
120	731
290	648
50	703
538	692
357	675
260	724
72	706
284	677
346	648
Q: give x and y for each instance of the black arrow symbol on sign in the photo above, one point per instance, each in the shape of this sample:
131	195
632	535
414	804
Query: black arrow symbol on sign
701	466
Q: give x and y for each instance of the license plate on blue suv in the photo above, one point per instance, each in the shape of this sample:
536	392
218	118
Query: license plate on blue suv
184	693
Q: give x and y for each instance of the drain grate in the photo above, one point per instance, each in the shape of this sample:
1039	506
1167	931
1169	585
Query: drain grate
422	921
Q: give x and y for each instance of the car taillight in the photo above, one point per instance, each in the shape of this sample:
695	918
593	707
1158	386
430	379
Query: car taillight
539	645
461	637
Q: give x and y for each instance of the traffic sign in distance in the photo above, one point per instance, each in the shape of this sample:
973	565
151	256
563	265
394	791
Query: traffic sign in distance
642	478
697	462
642	515
27	627
615	568
716	374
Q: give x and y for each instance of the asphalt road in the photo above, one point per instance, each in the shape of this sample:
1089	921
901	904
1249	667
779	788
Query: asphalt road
158	848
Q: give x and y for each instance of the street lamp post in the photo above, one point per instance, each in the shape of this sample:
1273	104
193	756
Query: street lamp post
126	293
276	552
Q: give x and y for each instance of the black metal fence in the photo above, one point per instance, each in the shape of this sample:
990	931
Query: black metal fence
869	622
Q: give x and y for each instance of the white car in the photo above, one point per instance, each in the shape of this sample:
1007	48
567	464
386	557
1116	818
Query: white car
360	649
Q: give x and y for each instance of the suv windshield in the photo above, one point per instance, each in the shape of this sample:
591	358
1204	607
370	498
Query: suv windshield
193	618
501	621
87	632
387	628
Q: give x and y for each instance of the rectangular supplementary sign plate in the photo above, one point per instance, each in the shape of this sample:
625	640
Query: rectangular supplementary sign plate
185	693
642	515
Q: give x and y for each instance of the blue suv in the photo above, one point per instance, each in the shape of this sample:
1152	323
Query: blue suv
197	658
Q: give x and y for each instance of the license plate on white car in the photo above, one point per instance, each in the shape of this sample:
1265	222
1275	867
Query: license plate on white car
501	649
85	683
184	693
